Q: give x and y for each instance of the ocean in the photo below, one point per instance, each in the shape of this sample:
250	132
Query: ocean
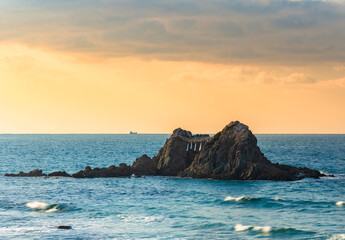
166	207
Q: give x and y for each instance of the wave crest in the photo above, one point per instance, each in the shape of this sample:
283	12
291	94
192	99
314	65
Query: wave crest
237	199
241	228
45	207
268	229
340	204
337	237
37	205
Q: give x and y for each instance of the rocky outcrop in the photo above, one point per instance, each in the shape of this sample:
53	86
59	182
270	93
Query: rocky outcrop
121	171
58	174
144	165
178	152
33	173
231	154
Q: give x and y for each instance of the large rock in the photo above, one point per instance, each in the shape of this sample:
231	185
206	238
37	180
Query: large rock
144	165
173	157
233	154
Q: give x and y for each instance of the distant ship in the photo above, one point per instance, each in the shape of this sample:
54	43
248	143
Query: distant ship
133	132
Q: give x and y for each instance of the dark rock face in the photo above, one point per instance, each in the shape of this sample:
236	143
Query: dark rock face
231	154
175	156
171	159
144	165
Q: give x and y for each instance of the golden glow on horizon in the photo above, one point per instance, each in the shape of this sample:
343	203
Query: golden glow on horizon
45	91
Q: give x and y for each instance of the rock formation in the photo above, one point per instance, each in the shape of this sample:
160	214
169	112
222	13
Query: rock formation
144	166
59	174
121	171
231	154
33	173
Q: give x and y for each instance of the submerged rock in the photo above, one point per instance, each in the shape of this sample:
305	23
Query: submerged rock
63	227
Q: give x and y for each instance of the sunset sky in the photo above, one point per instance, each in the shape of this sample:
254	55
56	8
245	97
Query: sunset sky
101	66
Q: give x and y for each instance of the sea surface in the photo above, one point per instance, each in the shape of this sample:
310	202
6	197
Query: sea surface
166	207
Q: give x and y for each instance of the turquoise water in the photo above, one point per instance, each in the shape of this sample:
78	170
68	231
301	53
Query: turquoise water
165	207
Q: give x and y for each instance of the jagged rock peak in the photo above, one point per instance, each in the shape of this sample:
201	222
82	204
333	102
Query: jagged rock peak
182	132
239	131
236	126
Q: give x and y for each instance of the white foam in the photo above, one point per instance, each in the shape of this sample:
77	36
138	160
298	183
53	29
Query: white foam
54	209
229	198
44	207
142	219
340	203
38	205
278	199
337	237
241	228
264	229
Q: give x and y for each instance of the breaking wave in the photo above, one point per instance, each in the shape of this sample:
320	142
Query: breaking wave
242	198
337	237
267	229
277	200
241	228
46	207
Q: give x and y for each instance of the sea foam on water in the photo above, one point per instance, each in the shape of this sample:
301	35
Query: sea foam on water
45	207
337	237
37	205
241	228
236	199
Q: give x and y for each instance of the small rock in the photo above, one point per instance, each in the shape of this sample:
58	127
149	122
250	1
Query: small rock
63	227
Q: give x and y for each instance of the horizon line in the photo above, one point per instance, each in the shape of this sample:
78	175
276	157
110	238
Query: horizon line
307	133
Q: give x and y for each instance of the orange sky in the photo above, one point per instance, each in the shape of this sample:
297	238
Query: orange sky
43	91
49	86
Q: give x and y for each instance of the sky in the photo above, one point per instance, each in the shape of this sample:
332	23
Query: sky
101	66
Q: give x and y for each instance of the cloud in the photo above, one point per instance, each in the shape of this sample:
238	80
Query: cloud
339	67
333	83
233	32
300	78
201	74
